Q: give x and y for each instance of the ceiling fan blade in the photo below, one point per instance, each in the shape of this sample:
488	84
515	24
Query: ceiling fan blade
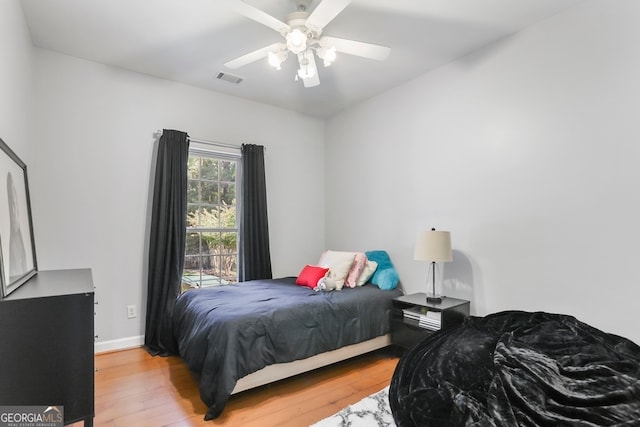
253	56
324	13
352	47
256	14
309	67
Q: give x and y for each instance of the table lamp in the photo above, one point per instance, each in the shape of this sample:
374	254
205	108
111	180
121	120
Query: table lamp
433	246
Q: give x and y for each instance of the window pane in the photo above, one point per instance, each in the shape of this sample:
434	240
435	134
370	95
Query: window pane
193	217
192	192
215	271
192	266
209	192
207	265
228	243
192	244
209	217
227	194
193	167
227	217
227	170
210	243
229	268
209	169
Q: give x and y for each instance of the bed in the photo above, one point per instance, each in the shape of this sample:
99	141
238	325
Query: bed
243	335
518	368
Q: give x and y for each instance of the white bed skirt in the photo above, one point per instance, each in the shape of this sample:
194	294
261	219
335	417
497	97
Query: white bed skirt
280	371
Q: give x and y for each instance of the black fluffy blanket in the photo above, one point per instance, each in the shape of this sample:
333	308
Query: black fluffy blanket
518	369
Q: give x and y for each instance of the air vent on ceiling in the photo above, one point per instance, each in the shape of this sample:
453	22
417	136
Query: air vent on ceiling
229	77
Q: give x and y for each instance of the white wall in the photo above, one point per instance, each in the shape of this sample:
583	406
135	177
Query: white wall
15	75
527	151
93	139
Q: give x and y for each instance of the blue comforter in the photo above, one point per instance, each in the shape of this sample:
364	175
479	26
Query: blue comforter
227	332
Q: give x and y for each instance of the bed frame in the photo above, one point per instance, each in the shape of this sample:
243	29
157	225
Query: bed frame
281	371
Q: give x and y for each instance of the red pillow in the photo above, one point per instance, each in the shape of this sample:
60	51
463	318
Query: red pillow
310	275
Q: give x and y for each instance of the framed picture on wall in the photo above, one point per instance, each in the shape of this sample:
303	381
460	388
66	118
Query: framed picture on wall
17	245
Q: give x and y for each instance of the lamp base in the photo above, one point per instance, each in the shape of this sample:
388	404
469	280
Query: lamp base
435	299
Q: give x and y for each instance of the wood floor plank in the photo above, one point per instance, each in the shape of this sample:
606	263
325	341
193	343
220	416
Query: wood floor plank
135	389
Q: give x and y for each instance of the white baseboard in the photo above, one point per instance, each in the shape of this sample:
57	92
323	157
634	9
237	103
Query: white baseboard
119	344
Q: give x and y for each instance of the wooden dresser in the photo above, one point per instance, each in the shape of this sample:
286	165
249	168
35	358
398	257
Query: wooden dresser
47	344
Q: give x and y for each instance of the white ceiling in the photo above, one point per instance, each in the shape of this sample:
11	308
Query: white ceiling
189	41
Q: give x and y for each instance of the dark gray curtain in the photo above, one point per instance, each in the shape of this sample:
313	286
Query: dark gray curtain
254	255
167	240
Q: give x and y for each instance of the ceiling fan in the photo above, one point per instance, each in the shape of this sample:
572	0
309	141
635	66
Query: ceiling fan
302	35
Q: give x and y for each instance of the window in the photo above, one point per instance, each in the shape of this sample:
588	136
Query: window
211	250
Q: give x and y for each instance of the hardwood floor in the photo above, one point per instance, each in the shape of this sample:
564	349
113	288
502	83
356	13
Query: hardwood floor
135	389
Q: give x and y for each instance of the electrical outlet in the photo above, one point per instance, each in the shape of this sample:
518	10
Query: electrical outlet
131	311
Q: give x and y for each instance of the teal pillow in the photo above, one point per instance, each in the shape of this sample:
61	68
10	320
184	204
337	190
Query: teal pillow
386	277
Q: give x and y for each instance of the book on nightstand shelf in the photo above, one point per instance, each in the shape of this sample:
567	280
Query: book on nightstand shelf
426	318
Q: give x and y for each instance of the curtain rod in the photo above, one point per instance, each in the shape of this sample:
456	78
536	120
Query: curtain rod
206	142
214	143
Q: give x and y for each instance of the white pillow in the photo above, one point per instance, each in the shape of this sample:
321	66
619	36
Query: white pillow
339	263
367	272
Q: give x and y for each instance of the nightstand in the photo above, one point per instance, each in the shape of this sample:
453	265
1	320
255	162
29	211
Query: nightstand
413	318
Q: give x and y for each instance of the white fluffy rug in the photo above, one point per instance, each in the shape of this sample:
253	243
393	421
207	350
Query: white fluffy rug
371	411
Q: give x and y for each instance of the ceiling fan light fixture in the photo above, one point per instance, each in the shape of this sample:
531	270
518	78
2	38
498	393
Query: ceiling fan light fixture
296	41
277	58
328	55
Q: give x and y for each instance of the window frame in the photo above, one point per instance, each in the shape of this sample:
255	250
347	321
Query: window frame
198	282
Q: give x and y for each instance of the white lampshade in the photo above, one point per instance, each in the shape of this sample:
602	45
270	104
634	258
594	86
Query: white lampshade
276	59
328	55
296	41
433	246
